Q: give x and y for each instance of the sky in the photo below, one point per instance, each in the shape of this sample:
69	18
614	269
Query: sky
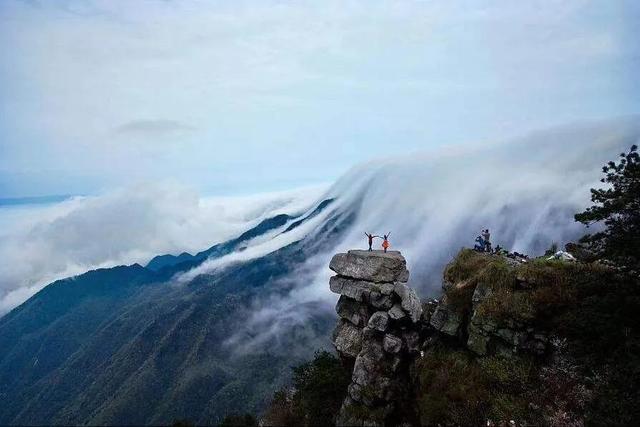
240	97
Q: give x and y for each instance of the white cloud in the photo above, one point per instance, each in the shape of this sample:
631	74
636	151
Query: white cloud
279	88
157	127
525	191
42	244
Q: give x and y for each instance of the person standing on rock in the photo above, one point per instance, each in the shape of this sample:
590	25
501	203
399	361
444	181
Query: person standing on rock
487	243
385	242
370	237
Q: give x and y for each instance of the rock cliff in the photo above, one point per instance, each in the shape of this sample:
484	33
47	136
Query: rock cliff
509	342
378	332
491	307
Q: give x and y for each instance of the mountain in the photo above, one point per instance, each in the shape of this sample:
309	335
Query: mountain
126	346
201	336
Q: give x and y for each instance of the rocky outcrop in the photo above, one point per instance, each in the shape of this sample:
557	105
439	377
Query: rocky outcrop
473	319
384	328
503	335
378	332
373	266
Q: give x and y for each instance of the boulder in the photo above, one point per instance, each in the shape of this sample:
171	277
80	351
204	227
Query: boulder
381	301
347	339
409	300
355	289
391	343
365	368
428	308
383	288
374	266
480	293
351	310
396	312
379	321
477	341
446	319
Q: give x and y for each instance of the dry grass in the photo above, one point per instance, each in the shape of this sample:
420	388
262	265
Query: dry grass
550	284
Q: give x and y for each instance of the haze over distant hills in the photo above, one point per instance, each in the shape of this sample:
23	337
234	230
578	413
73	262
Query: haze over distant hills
200	335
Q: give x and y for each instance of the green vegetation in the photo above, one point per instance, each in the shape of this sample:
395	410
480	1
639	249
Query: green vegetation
592	377
246	420
317	391
590	311
618	208
470	268
451	389
454	387
525	292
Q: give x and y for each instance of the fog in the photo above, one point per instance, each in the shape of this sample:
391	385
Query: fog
525	191
40	244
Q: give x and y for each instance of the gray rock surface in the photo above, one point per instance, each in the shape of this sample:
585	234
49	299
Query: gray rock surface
355	289
391	343
504	336
349	309
481	292
396	312
446	319
381	301
378	311
347	338
379	321
409	300
375	266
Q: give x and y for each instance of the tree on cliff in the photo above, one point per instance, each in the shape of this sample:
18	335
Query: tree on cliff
618	208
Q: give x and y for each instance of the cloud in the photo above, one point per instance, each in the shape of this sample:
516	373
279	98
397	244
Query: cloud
39	244
525	191
153	128
279	88
270	318
259	247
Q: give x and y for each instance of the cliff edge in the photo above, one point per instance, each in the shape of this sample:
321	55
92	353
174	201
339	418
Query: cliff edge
541	342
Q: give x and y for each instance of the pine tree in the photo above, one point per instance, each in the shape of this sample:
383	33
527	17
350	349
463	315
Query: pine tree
617	208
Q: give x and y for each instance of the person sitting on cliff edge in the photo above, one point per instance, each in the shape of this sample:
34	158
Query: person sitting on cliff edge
370	237
385	242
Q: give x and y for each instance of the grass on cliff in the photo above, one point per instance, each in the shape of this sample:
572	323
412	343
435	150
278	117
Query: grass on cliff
471	268
456	388
522	293
593	310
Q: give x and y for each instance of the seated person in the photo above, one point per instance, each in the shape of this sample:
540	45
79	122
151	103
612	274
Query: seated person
481	246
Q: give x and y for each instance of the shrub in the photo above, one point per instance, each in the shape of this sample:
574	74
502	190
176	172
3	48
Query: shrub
451	389
246	420
317	392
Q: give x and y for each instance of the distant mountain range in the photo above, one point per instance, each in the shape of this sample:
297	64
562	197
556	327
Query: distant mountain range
201	336
126	346
33	200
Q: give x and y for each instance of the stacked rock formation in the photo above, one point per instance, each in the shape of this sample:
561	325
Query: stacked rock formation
377	332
